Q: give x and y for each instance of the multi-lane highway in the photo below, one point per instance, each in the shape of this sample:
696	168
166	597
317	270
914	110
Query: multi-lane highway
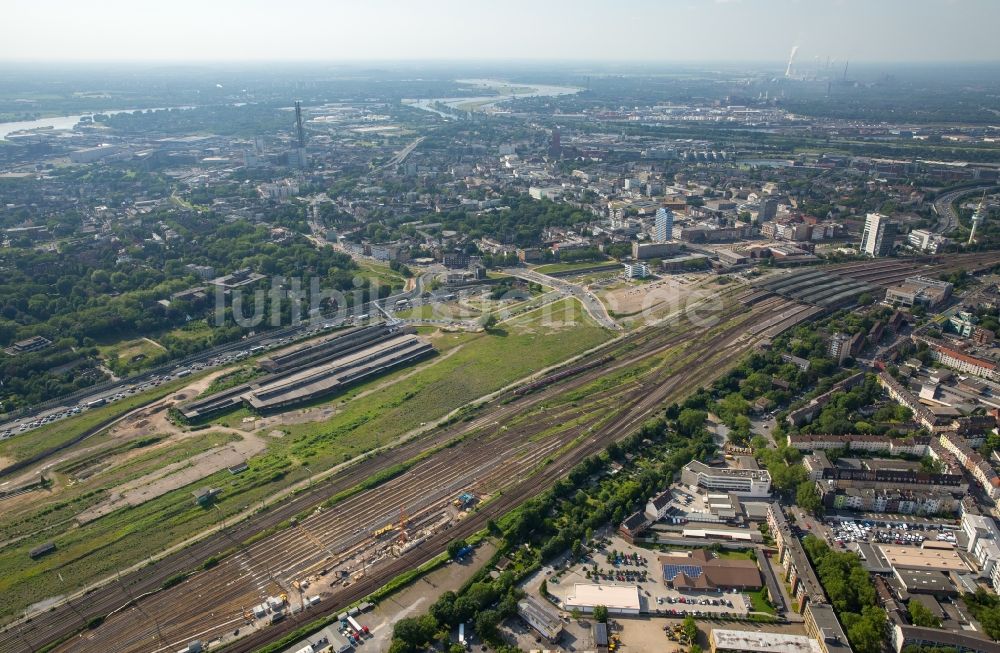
402	154
220	356
943	206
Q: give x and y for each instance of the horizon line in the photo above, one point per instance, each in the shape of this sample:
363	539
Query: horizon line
470	61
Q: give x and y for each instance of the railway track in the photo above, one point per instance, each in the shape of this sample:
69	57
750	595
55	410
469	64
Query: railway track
891	271
252	566
641	402
726	345
291	555
69	616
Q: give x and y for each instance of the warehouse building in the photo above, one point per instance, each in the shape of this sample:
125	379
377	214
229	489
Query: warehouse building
938	556
317	371
646	251
540	617
742	641
323	380
618	599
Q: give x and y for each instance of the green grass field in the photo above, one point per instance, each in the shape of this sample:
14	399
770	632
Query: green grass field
468	366
131	355
381	274
194	330
760	602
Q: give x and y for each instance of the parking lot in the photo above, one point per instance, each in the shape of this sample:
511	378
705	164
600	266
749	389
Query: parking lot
622	564
841	533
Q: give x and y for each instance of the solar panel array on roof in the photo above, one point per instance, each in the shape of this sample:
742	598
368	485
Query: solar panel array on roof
670	571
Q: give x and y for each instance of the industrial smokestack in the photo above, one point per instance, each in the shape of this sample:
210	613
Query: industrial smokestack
791	59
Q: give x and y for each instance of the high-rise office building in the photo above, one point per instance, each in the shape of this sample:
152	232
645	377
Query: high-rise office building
878	236
555	144
768	209
663	228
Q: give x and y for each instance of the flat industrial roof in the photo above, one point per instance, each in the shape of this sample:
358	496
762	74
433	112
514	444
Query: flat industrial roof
748	640
934	581
622	597
914	557
732	534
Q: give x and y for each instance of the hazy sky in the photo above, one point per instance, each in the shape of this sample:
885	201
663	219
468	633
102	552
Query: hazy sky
648	30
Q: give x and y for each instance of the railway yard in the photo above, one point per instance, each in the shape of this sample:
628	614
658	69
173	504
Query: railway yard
504	452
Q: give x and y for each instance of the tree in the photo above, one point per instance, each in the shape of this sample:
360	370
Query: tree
454	547
576	614
921	616
691	421
543	589
785	476
690	629
444	608
867	631
733	405
488	321
601	614
486	623
415	633
807	497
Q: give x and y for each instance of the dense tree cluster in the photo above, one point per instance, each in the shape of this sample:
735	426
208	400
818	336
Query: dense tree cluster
483	604
39	376
103	291
851	592
222	119
985	607
521	223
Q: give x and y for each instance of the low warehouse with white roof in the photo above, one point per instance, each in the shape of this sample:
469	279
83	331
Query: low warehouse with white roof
618	599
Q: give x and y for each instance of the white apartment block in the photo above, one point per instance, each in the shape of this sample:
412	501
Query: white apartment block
742	482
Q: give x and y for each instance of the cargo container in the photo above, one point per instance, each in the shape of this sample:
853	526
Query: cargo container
359	630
